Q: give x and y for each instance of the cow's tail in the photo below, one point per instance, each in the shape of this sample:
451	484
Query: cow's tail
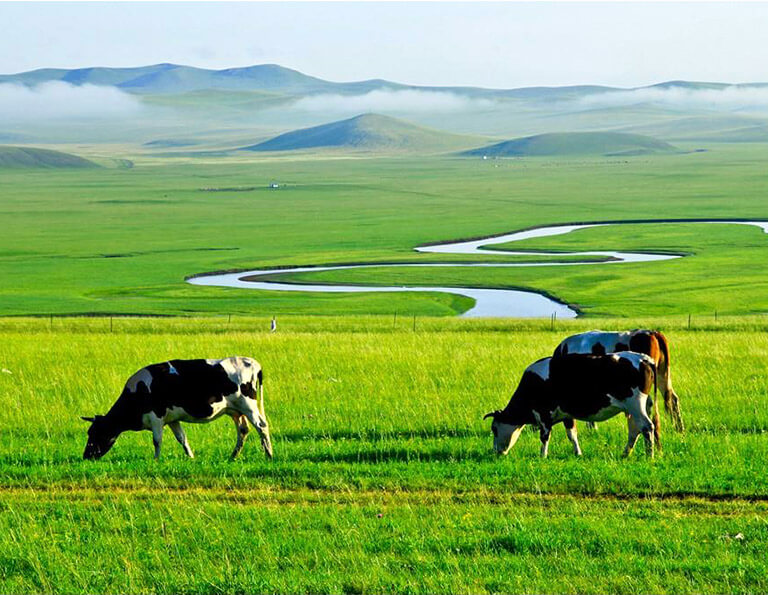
260	376
671	400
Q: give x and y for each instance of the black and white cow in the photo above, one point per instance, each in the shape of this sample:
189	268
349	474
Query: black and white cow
583	387
650	342
196	390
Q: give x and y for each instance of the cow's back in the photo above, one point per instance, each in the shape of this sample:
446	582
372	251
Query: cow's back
193	385
595	343
584	384
651	343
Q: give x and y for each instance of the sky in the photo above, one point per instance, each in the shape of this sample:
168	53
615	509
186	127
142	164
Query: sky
495	44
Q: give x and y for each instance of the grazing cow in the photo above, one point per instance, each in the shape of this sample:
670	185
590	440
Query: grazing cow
195	390
649	342
584	387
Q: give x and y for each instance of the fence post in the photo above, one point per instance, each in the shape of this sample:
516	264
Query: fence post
394	320
51	321
689	322
110	324
414	323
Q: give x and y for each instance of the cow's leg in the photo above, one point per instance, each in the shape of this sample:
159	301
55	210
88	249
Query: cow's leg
181	436
157	436
260	423
634	433
636	407
652	411
544	433
570	430
592	425
241	427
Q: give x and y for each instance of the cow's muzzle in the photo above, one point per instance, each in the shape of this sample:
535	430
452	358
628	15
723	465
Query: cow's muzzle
92	453
266	443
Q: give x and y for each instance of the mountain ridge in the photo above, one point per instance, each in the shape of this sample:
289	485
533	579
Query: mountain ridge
167	77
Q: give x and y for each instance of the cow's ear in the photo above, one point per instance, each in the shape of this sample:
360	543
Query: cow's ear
90	419
491	414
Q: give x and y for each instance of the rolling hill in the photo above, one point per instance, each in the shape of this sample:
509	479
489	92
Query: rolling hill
367	132
28	157
575	143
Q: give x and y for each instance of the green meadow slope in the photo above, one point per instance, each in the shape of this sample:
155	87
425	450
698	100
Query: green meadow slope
367	132
29	157
575	143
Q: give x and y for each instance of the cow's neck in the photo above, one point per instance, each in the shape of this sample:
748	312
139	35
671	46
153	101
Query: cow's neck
125	415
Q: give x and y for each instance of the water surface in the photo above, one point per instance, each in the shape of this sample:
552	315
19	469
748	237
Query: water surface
502	303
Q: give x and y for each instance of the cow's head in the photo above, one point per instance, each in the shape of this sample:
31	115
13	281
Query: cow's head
101	437
263	428
505	432
266	443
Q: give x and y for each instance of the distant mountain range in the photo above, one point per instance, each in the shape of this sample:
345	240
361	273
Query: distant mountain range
174	78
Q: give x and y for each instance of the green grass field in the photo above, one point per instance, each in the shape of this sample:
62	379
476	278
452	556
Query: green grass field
384	477
123	240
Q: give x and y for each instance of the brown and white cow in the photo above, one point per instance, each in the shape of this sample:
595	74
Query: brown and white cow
583	387
196	391
650	342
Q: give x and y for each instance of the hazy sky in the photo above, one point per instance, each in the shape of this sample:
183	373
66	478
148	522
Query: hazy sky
437	43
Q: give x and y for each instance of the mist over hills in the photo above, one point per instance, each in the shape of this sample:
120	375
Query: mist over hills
269	105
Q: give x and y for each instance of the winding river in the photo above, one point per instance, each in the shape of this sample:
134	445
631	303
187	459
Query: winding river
503	303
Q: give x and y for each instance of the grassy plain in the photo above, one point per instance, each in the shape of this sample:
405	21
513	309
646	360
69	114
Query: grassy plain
369	418
123	240
373	415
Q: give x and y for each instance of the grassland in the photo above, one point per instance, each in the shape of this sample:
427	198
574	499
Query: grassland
123	240
383	477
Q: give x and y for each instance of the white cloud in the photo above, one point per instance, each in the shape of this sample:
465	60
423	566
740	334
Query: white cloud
727	98
393	102
58	100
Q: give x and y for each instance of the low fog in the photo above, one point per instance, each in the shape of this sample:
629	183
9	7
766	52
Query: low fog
392	102
58	100
728	98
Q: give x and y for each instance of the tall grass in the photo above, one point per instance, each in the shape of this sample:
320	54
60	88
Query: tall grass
371	418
